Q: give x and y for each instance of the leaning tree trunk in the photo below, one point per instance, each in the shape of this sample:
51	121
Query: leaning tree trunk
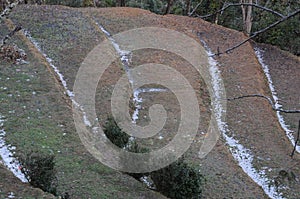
247	16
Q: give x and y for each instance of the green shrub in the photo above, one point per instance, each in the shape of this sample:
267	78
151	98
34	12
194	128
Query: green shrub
115	134
178	181
39	171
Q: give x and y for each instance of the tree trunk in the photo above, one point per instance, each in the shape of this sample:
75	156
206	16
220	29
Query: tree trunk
121	3
188	7
169	5
247	16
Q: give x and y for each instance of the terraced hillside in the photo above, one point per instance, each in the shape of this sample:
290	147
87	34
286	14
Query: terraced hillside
36	106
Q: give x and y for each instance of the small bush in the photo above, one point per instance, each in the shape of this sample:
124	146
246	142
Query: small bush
39	171
178	181
121	139
115	134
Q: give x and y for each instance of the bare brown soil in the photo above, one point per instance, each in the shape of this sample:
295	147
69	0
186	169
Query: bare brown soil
251	121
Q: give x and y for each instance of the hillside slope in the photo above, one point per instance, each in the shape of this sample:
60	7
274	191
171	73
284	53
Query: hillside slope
66	35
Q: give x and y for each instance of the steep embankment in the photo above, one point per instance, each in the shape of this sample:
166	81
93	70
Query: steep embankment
38	116
246	160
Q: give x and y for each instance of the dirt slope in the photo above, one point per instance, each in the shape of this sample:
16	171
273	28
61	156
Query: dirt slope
38	117
67	35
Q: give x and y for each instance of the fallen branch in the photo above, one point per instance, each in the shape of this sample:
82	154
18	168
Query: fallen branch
257	33
9	35
269	100
297	140
275	109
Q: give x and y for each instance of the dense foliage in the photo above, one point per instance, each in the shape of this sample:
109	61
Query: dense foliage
285	35
115	134
178	181
39	171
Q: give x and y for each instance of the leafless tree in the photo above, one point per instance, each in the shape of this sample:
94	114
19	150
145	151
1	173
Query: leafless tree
168	8
247	16
187	7
248	23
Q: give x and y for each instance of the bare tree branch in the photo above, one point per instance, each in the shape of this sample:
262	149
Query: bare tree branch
242	4
297	140
9	8
269	100
9	35
191	13
284	18
5	13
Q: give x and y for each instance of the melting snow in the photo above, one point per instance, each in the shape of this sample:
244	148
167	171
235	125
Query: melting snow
266	70
242	155
11	195
50	61
6	153
125	59
146	181
60	75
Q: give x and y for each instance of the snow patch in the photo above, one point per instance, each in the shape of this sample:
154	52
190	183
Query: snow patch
69	93
241	154
6	153
284	126
50	61
11	195
147	182
125	59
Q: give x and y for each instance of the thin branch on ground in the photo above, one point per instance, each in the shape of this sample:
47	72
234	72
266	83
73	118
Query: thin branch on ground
9	35
297	140
275	109
257	33
268	99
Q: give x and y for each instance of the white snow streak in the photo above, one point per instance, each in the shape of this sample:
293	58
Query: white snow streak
6	153
242	155
69	93
125	59
50	61
283	125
